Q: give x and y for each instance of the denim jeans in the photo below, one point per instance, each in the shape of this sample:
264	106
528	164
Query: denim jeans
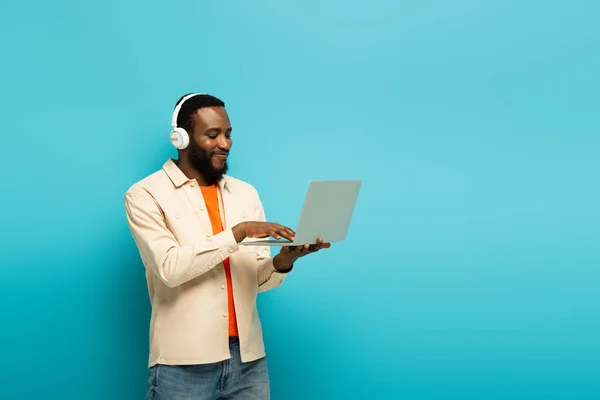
229	379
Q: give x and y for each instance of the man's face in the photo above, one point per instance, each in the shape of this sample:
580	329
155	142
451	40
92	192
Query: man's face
210	142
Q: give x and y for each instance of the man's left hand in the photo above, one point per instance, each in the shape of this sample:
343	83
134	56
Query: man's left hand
289	254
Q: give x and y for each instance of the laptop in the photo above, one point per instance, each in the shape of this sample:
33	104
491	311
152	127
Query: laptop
326	213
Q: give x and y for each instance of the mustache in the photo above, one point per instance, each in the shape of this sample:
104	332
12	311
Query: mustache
221	153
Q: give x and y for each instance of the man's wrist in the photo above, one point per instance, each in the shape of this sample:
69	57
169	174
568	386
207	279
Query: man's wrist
281	264
239	232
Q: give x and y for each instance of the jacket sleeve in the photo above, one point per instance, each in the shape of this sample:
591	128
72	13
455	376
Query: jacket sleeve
173	263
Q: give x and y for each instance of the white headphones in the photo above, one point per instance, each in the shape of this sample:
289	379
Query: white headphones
179	136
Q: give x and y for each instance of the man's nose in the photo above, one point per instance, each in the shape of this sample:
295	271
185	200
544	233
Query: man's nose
224	143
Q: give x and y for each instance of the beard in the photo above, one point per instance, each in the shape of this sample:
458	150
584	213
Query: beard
201	160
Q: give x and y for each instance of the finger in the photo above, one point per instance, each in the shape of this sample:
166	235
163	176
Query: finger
280	233
286	233
322	245
319	244
290	233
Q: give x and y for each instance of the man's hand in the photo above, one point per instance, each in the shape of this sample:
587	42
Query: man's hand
289	254
256	229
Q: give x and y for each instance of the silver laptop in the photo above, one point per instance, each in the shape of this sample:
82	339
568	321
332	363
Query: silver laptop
326	213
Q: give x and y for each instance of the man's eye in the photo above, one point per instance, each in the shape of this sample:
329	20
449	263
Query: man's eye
212	136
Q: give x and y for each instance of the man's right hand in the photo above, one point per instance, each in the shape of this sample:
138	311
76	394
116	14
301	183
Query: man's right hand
256	229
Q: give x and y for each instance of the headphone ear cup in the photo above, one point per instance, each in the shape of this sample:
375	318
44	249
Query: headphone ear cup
180	138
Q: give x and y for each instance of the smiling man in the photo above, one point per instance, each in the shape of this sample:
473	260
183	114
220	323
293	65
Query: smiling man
188	220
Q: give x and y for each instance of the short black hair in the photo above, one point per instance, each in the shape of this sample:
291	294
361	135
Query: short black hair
191	105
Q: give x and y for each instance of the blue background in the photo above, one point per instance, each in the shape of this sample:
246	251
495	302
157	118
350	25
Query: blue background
471	268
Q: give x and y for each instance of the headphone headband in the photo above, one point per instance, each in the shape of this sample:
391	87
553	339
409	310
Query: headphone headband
178	107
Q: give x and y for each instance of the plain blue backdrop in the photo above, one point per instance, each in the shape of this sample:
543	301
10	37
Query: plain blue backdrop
471	270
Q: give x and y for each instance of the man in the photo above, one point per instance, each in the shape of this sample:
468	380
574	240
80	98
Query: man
187	220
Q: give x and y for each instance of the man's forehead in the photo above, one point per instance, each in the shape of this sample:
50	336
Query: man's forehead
211	115
211	112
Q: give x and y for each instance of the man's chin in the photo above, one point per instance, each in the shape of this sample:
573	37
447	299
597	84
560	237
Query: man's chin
220	168
211	171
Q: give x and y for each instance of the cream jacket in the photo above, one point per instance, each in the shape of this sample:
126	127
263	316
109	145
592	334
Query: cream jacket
186	280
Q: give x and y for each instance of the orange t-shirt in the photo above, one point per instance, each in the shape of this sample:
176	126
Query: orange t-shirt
212	206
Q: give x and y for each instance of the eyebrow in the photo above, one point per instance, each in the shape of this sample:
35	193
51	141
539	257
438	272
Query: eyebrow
218	129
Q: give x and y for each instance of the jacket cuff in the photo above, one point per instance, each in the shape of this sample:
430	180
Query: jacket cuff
226	242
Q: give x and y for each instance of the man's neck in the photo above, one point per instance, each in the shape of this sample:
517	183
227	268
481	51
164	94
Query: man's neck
192	173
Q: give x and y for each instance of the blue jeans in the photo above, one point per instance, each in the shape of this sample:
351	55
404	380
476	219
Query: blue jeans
229	379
